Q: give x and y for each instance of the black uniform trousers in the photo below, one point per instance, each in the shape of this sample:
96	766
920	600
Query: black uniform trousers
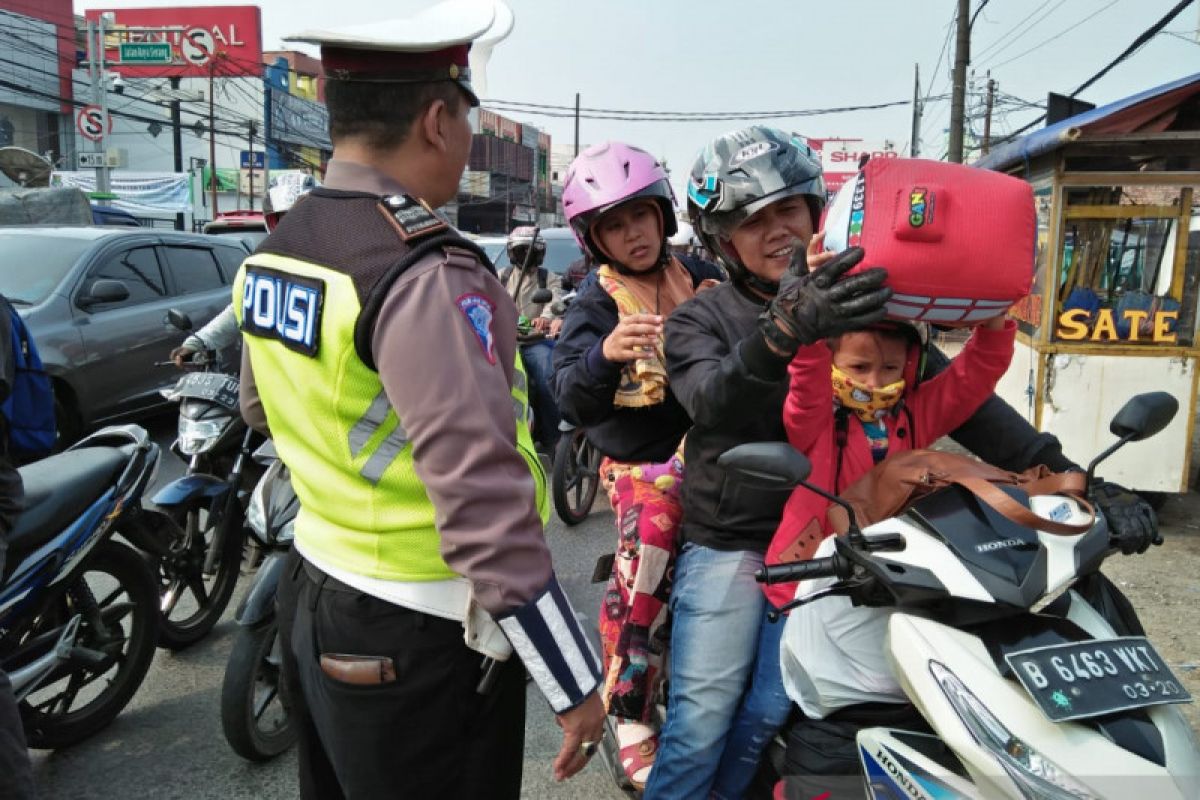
427	733
16	773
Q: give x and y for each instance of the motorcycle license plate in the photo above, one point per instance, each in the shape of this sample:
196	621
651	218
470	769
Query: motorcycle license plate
1089	679
213	386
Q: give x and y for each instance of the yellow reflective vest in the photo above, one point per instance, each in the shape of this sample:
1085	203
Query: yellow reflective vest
362	506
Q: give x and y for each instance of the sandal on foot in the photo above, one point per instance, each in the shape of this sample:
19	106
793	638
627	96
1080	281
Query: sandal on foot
637	759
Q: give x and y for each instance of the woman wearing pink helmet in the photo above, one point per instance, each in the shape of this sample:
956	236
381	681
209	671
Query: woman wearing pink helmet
610	379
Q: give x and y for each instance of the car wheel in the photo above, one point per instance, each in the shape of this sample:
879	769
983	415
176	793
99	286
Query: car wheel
67	420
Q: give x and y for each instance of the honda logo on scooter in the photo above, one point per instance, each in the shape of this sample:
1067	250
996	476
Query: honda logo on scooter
988	547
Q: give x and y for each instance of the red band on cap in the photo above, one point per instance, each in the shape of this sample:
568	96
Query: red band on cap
390	63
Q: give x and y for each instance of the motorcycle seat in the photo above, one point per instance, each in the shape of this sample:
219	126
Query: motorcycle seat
60	488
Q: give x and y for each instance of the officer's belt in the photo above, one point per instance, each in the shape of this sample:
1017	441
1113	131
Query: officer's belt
480	631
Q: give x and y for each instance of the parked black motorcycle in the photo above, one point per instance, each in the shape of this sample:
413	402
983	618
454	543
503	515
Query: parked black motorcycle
199	569
254	708
78	608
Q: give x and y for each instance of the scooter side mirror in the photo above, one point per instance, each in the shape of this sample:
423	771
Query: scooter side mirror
769	464
1140	418
1144	415
542	296
777	465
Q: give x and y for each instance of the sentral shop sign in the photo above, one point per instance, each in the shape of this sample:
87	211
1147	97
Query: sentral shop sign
225	41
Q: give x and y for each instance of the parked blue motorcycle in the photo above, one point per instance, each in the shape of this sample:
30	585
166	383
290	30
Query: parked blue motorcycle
79	610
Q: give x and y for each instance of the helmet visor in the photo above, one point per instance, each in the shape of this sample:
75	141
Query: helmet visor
723	224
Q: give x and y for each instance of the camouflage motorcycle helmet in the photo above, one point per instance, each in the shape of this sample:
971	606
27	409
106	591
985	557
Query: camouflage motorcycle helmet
739	173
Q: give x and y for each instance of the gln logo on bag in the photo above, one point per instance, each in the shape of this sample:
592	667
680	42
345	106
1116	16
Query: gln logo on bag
276	305
920	207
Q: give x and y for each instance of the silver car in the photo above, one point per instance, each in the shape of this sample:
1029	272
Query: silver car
96	299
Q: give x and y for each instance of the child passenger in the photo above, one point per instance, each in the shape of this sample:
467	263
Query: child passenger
880	405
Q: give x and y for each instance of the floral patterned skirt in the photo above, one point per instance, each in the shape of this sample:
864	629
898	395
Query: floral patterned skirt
647	503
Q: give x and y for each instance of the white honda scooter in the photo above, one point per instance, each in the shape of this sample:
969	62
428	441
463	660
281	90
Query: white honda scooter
1028	691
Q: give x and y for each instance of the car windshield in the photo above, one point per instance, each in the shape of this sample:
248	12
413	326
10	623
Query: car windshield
496	251
36	263
560	252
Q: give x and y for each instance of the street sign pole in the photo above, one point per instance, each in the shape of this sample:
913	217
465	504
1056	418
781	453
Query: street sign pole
103	185
176	143
250	144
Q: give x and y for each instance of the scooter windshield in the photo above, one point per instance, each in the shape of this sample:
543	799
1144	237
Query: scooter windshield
1006	557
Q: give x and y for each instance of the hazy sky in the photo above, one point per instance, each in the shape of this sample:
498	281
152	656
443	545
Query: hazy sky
756	55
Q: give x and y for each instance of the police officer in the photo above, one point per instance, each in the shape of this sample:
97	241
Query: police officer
380	349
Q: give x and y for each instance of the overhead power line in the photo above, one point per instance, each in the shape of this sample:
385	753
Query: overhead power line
1073	26
544	110
1137	44
1020	29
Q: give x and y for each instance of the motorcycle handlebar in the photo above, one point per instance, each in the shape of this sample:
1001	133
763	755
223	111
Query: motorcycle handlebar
831	567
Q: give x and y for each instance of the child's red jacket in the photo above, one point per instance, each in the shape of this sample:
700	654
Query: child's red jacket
930	409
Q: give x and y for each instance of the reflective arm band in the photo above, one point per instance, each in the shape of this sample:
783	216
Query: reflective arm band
547	637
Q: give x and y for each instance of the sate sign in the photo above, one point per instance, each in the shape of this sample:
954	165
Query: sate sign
1138	326
226	40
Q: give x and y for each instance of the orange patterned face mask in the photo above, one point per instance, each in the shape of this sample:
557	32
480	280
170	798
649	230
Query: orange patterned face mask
868	404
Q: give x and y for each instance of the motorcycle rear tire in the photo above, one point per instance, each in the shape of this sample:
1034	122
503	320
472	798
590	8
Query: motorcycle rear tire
575	476
248	674
61	728
176	633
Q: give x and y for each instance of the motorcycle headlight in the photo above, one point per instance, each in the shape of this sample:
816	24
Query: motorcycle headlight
1036	776
256	516
196	436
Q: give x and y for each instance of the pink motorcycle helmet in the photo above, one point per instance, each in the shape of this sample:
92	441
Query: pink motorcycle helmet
605	175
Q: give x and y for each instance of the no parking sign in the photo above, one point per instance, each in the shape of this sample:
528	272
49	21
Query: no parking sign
93	122
197	46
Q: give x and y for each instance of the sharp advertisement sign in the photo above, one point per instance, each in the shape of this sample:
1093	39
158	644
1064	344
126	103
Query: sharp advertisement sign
225	41
840	157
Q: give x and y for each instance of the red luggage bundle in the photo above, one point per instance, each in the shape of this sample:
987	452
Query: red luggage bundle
958	242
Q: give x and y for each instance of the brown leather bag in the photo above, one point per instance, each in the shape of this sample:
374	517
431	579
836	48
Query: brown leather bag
901	479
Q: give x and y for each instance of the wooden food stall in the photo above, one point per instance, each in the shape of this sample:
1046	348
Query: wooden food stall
1113	309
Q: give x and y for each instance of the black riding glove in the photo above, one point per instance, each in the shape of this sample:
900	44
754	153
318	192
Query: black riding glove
1132	523
822	303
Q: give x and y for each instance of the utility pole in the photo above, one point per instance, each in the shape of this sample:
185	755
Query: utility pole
958	96
212	138
95	46
987	117
250	144
176	141
577	123
915	149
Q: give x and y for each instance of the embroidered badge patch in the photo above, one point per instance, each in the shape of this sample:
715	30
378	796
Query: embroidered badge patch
479	311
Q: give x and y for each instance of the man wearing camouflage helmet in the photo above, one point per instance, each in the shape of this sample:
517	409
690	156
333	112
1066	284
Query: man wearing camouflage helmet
755	197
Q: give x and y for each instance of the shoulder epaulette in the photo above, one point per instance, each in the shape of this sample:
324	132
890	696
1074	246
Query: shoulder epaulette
413	219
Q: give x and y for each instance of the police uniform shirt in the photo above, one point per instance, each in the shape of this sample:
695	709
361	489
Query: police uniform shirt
444	346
